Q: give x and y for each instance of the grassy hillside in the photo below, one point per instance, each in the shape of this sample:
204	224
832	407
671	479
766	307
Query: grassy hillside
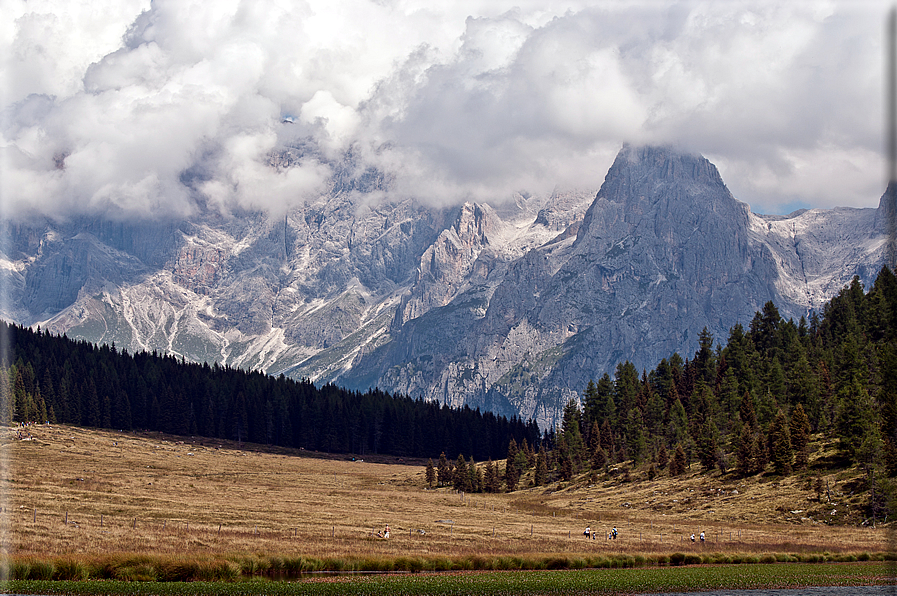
71	490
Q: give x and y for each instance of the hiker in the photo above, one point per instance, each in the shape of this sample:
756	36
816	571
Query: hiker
614	532
702	536
588	532
692	537
386	532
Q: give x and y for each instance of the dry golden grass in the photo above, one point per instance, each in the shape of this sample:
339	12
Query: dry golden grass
149	493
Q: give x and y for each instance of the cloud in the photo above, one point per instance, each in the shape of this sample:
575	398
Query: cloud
136	109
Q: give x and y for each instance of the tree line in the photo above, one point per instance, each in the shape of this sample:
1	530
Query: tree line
57	379
747	407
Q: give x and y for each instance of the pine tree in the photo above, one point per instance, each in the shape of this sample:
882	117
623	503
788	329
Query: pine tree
854	417
800	436
512	472
636	442
746	452
746	410
461	475
564	458
475	477
572	435
594	447
541	474
444	470
707	444
491	482
677	464
781	451
430	473
663	457
677	429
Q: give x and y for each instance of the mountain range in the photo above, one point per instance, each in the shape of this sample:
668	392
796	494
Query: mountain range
511	308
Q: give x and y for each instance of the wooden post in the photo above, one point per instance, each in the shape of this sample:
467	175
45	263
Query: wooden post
66	518
101	521
531	531
134	527
35	516
493	531
164	523
332	531
219	529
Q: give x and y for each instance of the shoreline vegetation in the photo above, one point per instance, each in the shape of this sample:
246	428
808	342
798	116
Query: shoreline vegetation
602	580
91	511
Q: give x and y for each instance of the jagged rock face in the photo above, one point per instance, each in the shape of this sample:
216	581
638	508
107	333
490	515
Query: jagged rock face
663	251
511	309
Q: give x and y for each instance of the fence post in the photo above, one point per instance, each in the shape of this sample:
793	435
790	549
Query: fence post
66	518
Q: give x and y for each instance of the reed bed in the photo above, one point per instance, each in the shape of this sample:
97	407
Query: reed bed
520	583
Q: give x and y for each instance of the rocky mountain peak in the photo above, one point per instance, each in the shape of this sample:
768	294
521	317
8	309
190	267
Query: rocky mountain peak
510	309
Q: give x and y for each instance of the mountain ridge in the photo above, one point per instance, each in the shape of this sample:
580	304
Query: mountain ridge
511	309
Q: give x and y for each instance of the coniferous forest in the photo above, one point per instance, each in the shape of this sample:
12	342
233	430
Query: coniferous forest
748	407
56	379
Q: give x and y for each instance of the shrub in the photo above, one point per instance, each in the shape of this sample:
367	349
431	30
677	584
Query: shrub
677	559
67	569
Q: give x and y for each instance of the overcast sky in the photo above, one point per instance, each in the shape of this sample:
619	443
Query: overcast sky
111	105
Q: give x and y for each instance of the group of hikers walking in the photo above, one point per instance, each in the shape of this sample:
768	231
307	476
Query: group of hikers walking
612	535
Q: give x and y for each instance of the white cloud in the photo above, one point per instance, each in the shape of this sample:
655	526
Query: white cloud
107	105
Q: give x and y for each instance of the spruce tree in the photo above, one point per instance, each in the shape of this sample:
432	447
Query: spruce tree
746	452
430	473
707	444
594	446
512	472
540	476
800	436
461	475
443	470
746	410
663	457
677	464
476	477
781	451
491	481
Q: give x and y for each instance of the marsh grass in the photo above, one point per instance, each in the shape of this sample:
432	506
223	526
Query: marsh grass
169	568
520	583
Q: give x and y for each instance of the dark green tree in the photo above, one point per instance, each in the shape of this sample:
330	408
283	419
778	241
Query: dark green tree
746	452
461	475
781	451
491	480
430	473
677	464
512	471
444	470
800	436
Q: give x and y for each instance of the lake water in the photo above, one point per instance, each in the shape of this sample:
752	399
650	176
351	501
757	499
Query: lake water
820	591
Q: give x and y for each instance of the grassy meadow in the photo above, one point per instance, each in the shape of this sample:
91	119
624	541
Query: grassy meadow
131	506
